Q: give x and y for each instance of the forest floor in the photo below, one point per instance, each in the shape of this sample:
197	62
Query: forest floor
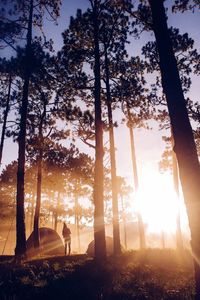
152	274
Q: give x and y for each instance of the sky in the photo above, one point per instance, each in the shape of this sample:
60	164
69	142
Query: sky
149	144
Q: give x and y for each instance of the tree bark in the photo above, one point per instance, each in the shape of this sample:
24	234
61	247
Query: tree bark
20	249
77	224
179	238
116	230
5	118
184	148
124	222
32	211
56	212
99	225
36	233
136	184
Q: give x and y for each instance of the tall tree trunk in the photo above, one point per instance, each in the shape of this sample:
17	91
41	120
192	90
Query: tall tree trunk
32	211
78	235
184	148
77	223
116	231
5	117
55	221
99	225
124	222
56	212
136	184
20	249
52	197
52	220
36	234
179	239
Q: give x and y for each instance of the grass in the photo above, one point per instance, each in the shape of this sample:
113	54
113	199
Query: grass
152	274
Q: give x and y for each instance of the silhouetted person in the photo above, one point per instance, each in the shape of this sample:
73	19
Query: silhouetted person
66	232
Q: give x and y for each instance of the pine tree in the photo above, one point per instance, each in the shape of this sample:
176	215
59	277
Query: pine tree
184	148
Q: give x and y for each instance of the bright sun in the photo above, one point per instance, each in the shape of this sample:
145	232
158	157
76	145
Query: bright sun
158	203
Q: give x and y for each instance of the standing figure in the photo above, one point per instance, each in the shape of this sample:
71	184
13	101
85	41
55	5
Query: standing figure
66	232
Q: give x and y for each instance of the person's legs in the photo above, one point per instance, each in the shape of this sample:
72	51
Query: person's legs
69	246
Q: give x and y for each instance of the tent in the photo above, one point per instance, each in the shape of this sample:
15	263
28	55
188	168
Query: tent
109	246
50	243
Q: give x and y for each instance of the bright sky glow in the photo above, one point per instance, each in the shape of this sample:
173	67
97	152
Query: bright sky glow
158	203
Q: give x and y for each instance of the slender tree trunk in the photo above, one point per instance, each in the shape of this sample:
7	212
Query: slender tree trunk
99	225
52	220
5	118
116	230
184	148
124	222
56	212
179	239
55	221
51	210
77	223
28	216
36	233
20	249
32	211
78	235
133	155
136	184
